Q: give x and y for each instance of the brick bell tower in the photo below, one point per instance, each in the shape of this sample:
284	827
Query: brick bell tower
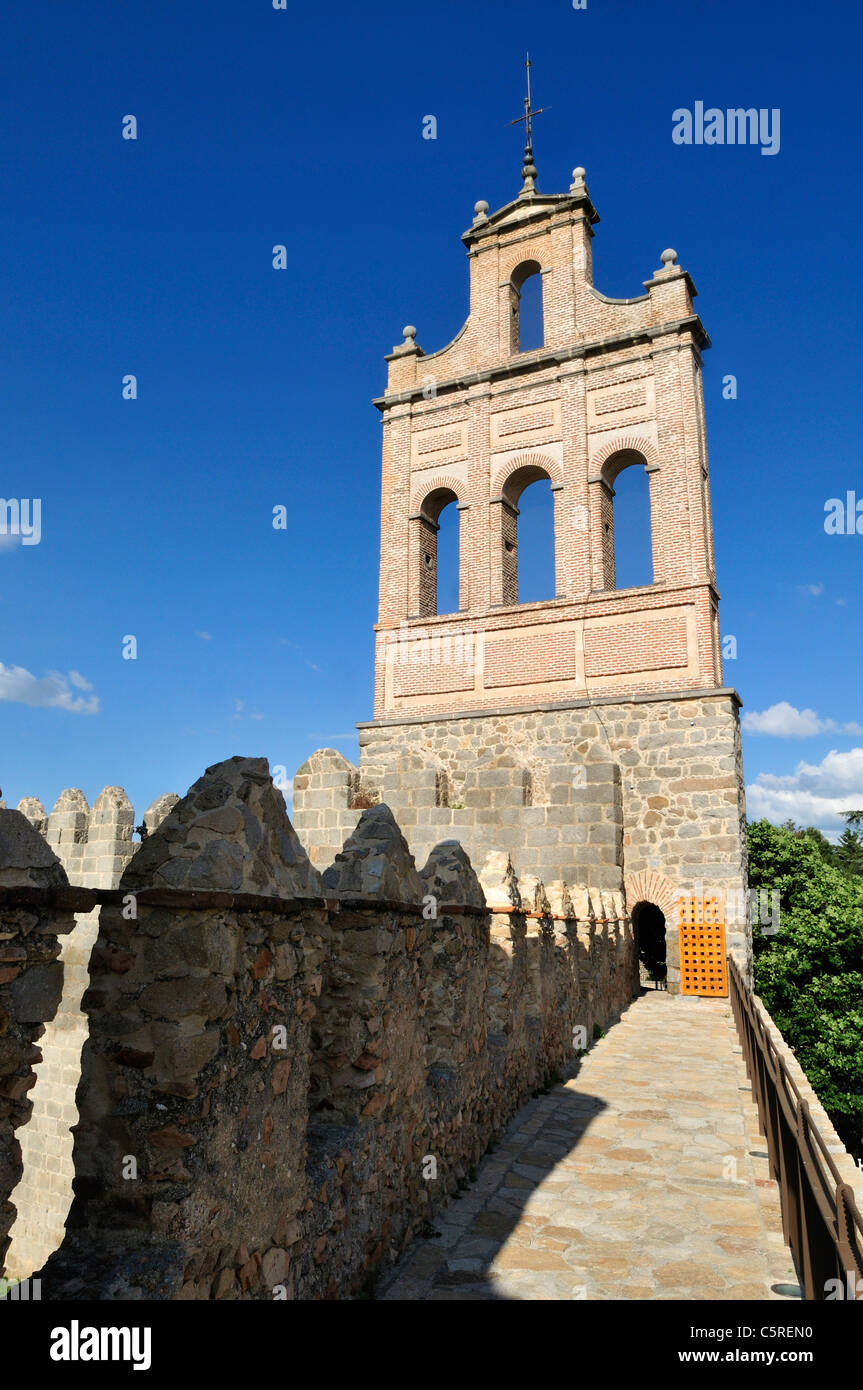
590	734
616	385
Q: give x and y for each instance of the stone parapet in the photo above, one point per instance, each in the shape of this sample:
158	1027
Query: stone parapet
31	980
95	846
275	1100
643	795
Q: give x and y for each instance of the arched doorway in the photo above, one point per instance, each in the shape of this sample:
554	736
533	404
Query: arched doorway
648	922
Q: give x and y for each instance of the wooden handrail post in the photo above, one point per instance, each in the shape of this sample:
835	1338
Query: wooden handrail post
815	1201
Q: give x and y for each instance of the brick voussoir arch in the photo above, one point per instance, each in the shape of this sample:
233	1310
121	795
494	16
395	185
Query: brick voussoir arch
630	443
651	886
537	248
526	460
436	482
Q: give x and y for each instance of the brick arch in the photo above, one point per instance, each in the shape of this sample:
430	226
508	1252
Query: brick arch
423	523
630	443
651	886
529	460
435	482
536	249
526	263
508	489
628	450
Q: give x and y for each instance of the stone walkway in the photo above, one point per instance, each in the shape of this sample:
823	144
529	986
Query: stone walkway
636	1180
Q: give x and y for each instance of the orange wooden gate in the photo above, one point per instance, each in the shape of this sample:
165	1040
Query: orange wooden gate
702	947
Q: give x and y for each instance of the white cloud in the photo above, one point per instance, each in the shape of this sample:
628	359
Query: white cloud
50	692
205	636
784	721
240	711
814	794
814	589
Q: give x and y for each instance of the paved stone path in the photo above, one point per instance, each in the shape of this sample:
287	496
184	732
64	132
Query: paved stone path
634	1180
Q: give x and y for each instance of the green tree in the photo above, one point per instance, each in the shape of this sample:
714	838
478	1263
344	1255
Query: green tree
810	975
825	848
849	852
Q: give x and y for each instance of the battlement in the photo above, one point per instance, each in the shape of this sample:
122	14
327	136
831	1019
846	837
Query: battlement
94	845
642	797
360	1034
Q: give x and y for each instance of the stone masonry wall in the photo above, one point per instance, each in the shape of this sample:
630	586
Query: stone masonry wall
275	1098
192	1109
31	979
94	846
643	794
490	804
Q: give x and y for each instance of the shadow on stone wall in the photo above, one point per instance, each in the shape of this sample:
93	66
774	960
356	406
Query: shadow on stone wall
94	846
274	1102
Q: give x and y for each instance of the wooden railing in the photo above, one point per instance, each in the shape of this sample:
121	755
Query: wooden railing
820	1218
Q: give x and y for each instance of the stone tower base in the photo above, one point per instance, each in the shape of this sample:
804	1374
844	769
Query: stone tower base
643	794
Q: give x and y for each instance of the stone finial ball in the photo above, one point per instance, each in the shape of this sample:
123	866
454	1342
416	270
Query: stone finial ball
578	173
481	207
409	331
668	257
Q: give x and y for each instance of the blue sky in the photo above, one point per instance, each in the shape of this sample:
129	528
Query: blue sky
304	127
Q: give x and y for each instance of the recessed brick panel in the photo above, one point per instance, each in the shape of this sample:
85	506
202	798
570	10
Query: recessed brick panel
530	658
619	398
518	427
439	444
630	647
431	677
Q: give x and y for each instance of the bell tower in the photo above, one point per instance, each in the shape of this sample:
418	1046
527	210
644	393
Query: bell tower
616	384
589	735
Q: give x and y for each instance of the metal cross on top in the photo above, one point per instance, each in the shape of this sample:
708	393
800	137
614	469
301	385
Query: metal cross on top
529	112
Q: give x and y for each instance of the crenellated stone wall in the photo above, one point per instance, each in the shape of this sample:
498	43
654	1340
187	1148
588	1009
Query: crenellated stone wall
643	796
94	846
276	1096
31	981
188	1099
486	796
